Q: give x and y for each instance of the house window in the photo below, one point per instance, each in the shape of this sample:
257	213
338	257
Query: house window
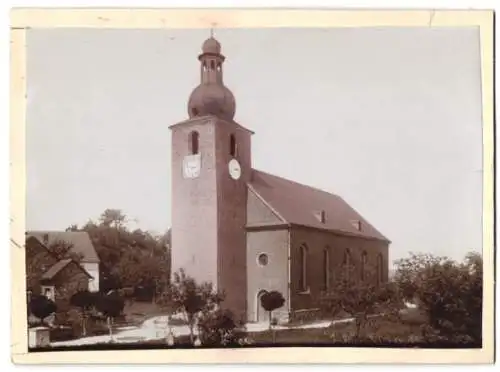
194	139
326	268
303	268
380	270
262	259
364	261
232	145
48	292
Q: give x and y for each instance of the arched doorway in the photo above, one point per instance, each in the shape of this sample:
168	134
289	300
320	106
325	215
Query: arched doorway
261	314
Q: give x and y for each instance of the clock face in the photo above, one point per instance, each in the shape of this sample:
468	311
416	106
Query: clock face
191	166
234	169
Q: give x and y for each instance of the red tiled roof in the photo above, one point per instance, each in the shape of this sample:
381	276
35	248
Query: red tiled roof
298	204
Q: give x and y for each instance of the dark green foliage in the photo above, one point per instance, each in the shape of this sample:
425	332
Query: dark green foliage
83	299
110	305
218	328
270	301
41	307
448	292
190	298
133	259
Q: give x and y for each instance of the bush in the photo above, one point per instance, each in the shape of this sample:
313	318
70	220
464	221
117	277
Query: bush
449	293
42	307
217	328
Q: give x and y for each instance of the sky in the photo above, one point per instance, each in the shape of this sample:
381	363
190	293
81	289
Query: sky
387	118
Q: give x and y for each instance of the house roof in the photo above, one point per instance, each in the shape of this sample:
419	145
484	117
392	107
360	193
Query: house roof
80	241
57	268
302	205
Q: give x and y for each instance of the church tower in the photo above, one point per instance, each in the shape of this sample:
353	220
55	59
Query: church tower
211	165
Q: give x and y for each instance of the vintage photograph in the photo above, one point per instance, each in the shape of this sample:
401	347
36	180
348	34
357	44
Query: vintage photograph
253	187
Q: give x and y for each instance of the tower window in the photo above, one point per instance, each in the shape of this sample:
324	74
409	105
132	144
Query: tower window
212	65
194	139
232	145
219	68
194	111
204	66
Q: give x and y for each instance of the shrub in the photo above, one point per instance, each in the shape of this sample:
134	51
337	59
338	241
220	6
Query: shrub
41	307
191	299
217	328
449	293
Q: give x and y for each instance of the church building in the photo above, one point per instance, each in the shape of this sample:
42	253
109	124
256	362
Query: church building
247	231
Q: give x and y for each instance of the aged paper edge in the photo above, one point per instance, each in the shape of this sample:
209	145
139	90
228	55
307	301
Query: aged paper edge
22	19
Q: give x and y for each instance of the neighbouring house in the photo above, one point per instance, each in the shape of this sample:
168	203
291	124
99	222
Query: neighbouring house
48	274
80	247
255	231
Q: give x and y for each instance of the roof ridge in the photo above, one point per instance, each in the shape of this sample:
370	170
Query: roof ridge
297	183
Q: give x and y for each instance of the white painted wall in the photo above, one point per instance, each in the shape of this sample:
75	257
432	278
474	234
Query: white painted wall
93	270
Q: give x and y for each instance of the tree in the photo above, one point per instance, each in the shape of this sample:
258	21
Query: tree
448	292
111	306
113	217
85	301
217	328
62	250
190	298
129	259
41	307
361	299
271	301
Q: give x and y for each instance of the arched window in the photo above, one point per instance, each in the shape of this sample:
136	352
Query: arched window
380	269
364	263
219	67
303	268
194	139
347	264
204	66
326	268
212	65
232	145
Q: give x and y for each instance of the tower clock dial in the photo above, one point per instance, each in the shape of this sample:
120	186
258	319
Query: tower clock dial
234	169
191	166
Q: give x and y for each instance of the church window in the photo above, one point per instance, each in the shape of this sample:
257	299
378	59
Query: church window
380	271
232	145
347	264
262	259
303	268
364	260
194	139
326	268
